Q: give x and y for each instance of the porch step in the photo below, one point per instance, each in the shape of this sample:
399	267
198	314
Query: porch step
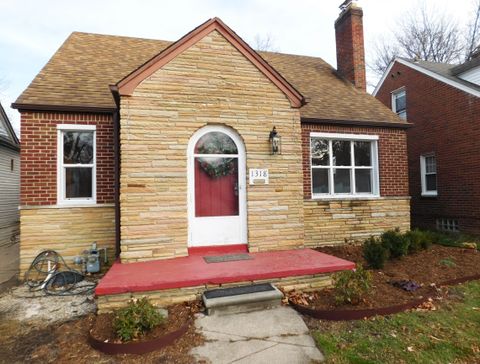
241	299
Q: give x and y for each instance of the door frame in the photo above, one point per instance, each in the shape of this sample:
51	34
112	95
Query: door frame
242	179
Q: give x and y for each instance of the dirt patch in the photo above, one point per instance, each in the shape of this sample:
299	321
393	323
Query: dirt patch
427	268
67	343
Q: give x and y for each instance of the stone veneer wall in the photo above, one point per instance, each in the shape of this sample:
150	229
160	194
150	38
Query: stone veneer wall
209	83
69	231
343	221
166	297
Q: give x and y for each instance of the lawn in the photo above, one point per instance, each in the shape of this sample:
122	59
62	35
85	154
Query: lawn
450	334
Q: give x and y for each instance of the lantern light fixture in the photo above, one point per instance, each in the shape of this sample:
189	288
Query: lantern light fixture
275	141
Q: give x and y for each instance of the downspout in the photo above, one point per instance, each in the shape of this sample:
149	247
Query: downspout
116	146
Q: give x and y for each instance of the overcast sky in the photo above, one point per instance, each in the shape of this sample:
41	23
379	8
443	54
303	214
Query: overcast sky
32	30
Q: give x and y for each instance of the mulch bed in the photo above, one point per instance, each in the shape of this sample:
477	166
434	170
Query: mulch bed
424	268
68	342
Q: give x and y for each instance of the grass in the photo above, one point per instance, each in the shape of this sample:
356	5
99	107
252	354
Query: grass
454	239
448	335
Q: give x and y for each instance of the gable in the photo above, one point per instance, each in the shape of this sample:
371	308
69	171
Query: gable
127	85
7	134
449	80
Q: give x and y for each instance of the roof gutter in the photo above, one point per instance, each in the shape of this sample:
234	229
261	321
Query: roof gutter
375	124
64	108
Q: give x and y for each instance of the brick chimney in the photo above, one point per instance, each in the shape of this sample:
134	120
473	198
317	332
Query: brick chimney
350	48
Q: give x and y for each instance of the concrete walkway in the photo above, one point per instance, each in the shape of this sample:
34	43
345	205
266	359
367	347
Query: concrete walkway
278	336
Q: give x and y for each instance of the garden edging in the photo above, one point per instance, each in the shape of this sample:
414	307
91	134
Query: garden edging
348	315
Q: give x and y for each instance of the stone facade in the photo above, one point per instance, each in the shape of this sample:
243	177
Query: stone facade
69	231
166	297
350	221
209	83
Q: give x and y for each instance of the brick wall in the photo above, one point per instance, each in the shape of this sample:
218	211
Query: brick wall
446	122
38	154
392	155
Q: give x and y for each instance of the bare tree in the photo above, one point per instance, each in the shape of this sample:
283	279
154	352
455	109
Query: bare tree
473	33
266	43
424	34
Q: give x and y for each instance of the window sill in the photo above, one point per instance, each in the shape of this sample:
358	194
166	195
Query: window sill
64	206
352	197
429	195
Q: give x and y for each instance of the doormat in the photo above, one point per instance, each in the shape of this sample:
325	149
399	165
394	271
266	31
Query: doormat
236	291
227	258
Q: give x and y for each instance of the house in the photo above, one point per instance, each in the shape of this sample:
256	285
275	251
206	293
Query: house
9	200
442	101
162	150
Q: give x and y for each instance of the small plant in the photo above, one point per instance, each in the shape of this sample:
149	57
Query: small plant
448	262
352	285
138	317
418	240
395	243
374	253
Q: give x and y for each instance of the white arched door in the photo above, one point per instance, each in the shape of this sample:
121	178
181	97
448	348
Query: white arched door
216	188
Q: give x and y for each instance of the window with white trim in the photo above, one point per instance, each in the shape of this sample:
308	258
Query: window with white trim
344	165
399	103
428	170
76	165
448	225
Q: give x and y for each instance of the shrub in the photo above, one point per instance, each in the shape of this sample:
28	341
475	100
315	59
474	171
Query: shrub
352	285
374	253
418	240
138	317
395	243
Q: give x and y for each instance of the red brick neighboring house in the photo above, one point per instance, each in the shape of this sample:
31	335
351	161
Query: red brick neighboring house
152	148
442	101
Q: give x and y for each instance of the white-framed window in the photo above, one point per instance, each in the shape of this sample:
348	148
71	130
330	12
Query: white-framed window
344	165
399	102
448	225
76	164
428	171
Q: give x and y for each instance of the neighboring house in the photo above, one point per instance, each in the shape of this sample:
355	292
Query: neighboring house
9	199
162	147
442	101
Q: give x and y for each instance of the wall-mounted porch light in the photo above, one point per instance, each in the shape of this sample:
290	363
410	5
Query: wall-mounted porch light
275	141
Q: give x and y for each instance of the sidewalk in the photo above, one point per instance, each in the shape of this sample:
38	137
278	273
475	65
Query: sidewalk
278	336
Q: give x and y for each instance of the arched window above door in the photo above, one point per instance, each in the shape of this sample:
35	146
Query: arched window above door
215	142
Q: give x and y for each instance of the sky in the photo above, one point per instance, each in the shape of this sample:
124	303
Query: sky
32	30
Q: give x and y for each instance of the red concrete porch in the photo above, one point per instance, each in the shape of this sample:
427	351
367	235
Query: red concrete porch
193	271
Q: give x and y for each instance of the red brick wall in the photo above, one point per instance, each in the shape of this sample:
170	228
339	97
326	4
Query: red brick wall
392	155
447	122
38	155
350	47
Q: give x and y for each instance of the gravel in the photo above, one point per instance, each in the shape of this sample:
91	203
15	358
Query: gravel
22	304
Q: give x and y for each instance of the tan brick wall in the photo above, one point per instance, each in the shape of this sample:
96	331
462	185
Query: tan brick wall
210	83
68	231
340	221
108	303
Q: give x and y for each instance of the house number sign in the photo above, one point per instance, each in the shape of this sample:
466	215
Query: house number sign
258	176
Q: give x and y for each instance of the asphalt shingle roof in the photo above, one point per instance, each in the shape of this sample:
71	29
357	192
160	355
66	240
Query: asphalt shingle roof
80	72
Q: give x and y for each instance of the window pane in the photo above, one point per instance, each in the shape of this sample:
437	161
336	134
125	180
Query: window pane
400	102
78	182
362	151
430	164
319	151
78	147
431	180
341	153
341	180
215	143
320	180
363	181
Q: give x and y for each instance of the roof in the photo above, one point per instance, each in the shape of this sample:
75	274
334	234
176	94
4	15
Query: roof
443	72
80	72
8	137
